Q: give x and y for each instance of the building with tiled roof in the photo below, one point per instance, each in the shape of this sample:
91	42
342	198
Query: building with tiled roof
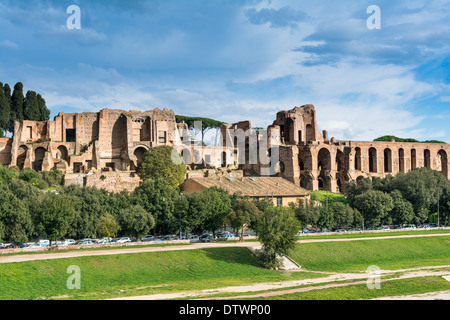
280	190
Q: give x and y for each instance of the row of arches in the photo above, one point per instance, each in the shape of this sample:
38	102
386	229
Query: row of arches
39	155
393	161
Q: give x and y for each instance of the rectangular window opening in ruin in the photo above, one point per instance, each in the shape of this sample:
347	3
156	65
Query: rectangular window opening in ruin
30	132
162	136
71	135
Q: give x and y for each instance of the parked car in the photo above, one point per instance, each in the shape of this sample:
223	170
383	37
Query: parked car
124	240
105	240
86	242
206	237
44	243
69	242
409	226
2	245
168	238
148	238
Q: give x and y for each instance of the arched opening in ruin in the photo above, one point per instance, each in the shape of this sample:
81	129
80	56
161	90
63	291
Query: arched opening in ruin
401	160
63	153
427	158
324	166
324	160
305	160
309	133
358	159
139	154
39	155
443	166
340	160
413	159
373	160
289	131
21	156
387	160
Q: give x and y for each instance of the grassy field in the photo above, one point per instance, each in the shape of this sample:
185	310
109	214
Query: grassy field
373	234
388	254
137	274
174	271
361	291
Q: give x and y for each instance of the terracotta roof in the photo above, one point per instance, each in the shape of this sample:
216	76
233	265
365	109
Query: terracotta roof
254	186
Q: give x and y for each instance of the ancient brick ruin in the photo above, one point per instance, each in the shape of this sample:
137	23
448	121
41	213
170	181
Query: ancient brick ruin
97	144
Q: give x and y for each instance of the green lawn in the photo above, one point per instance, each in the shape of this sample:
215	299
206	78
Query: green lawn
332	197
137	274
361	291
373	234
388	254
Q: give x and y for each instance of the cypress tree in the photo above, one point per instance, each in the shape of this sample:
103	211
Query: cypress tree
31	106
17	101
4	111
44	112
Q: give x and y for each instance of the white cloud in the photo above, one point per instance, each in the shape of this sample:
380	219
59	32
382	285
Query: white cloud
7	44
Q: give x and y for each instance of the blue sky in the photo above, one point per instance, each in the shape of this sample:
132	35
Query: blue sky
239	60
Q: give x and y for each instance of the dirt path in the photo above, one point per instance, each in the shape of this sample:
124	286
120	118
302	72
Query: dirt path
440	295
205	294
193	246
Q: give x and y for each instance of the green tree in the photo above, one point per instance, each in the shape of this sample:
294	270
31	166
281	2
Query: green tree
307	213
185	218
4	110
343	214
403	211
158	163
108	226
158	197
17	101
422	187
31	106
15	218
374	205
136	221
207	123
277	230
44	112
326	217
218	206
55	214
244	214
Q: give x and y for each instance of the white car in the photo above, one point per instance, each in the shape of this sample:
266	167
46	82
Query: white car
124	240
69	242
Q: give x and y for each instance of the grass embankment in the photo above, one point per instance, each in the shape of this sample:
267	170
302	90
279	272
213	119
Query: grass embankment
330	197
137	274
388	254
361	291
369	234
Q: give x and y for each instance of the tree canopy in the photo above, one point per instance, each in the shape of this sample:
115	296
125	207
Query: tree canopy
158	163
